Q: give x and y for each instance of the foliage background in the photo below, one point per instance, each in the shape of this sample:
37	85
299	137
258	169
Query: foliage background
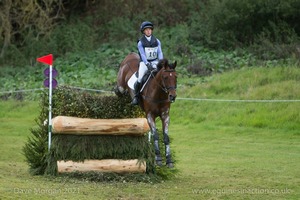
89	39
267	30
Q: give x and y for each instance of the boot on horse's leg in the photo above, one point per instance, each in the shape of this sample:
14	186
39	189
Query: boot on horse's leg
169	160
158	158
137	87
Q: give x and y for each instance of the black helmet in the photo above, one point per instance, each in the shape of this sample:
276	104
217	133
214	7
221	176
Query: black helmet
145	25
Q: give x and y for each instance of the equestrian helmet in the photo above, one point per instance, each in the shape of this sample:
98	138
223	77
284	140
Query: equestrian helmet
145	25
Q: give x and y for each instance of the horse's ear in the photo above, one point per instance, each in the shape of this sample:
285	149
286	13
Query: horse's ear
162	64
165	63
173	65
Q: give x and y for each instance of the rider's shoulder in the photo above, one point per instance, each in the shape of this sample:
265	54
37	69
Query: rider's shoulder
158	41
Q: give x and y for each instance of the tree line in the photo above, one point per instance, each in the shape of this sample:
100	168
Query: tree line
33	27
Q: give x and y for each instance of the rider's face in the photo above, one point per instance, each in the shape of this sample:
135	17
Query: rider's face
148	32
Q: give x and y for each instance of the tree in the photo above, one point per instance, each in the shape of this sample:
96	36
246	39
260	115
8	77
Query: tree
18	19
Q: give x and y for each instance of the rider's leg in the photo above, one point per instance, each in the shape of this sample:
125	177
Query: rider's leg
137	85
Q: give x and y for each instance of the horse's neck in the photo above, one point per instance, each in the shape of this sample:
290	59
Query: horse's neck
155	87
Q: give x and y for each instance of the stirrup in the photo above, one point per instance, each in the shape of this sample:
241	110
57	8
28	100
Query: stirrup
134	101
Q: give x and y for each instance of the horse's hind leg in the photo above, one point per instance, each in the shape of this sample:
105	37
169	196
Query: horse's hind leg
119	90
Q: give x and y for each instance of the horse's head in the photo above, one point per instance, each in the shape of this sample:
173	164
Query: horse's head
169	78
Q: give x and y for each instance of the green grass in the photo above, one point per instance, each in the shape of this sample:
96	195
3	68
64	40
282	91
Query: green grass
225	150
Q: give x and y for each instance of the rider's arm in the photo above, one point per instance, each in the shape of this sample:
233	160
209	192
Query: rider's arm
142	52
159	51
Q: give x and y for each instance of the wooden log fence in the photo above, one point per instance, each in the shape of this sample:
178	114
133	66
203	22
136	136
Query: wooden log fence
86	126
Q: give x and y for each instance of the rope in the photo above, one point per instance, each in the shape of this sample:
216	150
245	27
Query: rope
37	89
178	98
18	91
240	100
93	90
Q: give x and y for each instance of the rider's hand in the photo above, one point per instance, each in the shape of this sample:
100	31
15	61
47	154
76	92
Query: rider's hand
149	66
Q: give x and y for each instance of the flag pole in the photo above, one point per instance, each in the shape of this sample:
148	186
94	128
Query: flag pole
50	109
48	59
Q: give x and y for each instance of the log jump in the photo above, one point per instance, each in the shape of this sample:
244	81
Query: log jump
86	126
105	165
64	126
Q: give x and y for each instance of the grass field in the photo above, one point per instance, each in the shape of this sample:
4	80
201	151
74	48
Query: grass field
225	150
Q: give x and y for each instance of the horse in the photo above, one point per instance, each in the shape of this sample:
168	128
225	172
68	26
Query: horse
155	98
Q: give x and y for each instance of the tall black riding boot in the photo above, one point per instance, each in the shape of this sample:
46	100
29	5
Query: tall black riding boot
137	87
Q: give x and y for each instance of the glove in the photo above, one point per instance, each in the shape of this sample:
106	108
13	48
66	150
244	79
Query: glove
149	66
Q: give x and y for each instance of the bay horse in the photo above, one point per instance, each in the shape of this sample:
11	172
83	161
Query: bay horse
155	99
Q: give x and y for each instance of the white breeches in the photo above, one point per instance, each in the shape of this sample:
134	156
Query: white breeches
143	69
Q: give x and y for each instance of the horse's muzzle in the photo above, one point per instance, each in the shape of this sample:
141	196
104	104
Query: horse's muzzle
172	98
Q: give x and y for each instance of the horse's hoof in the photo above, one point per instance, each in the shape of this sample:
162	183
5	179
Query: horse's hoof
170	165
159	163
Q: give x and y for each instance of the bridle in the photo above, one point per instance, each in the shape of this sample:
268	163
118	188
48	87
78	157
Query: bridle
164	87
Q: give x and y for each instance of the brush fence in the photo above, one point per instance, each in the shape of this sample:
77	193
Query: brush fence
81	138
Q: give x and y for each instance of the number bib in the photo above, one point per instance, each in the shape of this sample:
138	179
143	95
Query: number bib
151	53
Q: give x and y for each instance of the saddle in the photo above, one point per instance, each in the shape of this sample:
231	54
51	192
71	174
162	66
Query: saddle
145	79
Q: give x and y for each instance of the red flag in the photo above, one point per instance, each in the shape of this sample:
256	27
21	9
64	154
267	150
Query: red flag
48	59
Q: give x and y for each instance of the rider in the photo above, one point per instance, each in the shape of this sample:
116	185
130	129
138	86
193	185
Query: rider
150	52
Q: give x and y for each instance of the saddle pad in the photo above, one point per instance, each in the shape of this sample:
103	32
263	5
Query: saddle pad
132	81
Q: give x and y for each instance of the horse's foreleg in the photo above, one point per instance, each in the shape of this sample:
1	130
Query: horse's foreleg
151	122
165	123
